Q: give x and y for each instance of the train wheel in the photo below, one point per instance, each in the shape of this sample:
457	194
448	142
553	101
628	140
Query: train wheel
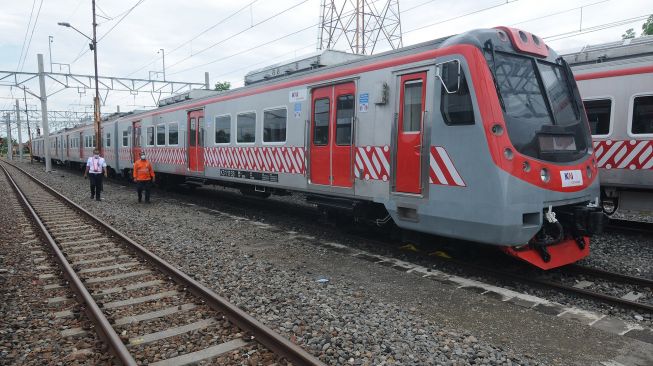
610	206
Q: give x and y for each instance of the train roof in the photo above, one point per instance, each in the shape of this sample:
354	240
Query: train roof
612	51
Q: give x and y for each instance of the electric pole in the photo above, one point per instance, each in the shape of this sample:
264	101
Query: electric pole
20	133
98	128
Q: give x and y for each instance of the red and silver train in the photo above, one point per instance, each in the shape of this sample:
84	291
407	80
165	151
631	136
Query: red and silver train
616	82
480	136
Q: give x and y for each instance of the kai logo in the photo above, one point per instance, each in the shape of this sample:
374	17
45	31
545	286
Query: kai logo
297	95
571	178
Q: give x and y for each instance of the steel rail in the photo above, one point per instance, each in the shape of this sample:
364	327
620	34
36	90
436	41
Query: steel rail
244	321
554	285
637	227
91	308
628	279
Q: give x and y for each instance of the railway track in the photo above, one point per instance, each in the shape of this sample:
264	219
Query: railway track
636	293
628	226
144	309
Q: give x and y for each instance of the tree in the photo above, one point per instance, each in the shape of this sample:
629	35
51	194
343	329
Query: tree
222	85
630	33
647	28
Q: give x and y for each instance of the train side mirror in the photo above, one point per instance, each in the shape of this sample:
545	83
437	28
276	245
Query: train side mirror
449	73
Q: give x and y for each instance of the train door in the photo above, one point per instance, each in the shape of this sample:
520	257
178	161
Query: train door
81	146
68	147
332	125
196	141
410	131
136	140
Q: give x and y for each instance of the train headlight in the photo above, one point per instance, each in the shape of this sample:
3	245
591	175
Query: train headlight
544	175
507	152
589	172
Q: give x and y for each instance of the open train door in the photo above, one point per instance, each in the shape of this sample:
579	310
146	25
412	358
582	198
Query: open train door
196	141
136	140
410	133
332	124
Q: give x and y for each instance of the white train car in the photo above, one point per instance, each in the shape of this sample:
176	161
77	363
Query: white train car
616	83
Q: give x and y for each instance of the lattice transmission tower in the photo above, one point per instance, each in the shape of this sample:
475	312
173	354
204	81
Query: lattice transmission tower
359	25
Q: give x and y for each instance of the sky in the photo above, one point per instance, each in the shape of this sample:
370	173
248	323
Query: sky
230	38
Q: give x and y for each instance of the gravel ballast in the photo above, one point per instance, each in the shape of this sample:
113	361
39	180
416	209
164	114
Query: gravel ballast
29	332
342	312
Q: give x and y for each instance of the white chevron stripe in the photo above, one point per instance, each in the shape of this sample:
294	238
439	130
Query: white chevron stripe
450	167
437	171
610	152
384	161
620	154
645	154
369	167
632	154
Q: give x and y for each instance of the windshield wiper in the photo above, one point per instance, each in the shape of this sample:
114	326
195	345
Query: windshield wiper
489	46
568	75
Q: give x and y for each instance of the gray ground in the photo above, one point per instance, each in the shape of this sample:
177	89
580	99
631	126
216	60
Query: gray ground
366	313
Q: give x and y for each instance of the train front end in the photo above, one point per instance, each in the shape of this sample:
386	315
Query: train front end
540	136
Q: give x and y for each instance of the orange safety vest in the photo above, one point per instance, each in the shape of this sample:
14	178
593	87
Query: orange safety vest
143	170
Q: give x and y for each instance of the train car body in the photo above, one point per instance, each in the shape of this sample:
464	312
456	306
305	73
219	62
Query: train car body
479	136
616	83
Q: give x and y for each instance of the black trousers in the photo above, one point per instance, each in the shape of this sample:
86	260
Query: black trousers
143	185
96	185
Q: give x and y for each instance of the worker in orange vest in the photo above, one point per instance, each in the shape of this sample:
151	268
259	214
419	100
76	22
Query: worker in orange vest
144	177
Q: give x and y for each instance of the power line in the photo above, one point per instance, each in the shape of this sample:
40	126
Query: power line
239	33
31	14
596	28
29	43
121	19
560	12
123	15
197	36
461	16
245	51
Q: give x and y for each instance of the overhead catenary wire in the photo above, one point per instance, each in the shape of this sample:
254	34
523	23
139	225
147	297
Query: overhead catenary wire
196	36
29	42
240	32
122	16
29	23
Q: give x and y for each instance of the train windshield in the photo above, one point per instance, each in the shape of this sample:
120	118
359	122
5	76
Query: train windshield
542	115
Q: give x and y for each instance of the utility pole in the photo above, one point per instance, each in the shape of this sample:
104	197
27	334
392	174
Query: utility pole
44	115
50	39
29	133
163	58
10	153
98	129
20	134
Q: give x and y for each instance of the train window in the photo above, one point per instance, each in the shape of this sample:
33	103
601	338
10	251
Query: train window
274	125
456	107
598	115
108	144
125	138
160	135
93	141
223	129
321	122
412	106
173	133
246	127
642	115
344	119
149	136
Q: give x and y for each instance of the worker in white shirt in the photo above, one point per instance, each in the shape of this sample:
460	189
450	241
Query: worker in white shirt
96	167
